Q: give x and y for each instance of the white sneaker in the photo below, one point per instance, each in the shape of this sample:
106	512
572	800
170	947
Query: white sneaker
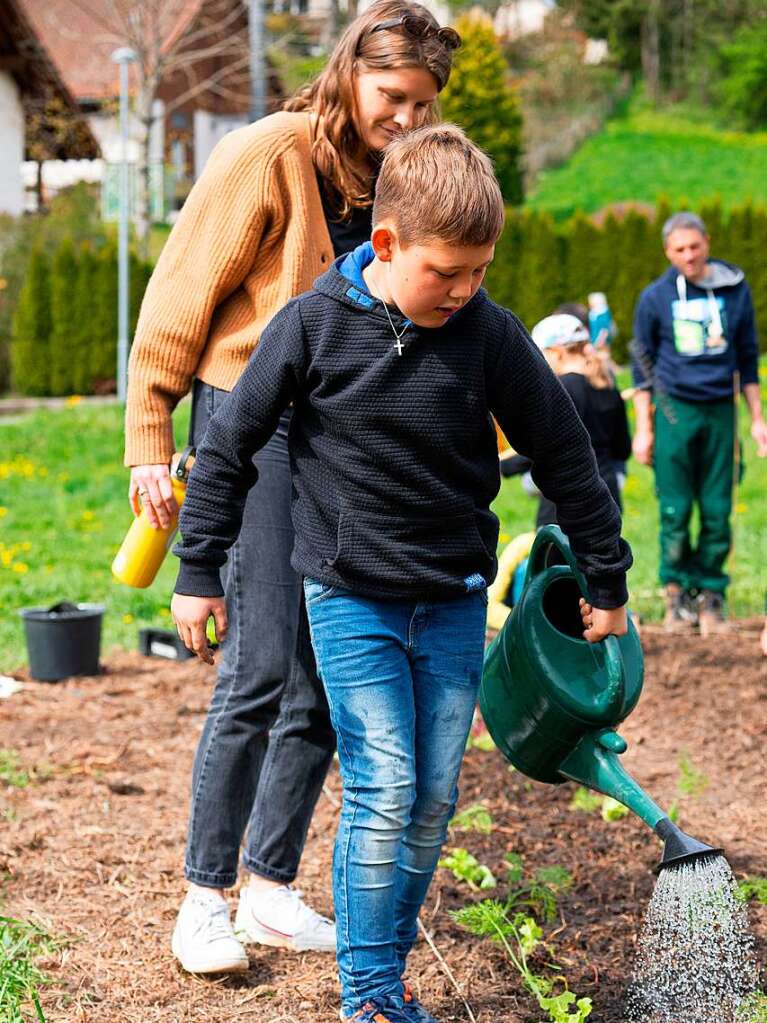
203	939
280	917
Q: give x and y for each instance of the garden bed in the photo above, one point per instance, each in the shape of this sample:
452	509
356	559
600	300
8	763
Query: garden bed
92	846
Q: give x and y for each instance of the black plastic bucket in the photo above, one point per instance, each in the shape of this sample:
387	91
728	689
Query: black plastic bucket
63	640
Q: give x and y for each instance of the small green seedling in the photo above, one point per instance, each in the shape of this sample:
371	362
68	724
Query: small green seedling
542	893
11	771
752	889
585	800
473	818
481	741
591	802
753	1009
521	937
612	810
692	782
20	977
468	869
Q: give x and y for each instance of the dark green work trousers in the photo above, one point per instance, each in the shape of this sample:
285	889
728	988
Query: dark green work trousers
694	464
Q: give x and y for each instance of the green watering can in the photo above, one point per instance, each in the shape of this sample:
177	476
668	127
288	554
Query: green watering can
551	700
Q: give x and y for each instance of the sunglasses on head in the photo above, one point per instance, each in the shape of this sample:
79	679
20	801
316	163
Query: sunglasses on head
421	28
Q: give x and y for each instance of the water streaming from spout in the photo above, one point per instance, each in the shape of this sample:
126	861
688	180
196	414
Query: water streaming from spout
695	959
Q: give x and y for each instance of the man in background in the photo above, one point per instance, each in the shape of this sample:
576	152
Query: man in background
695	348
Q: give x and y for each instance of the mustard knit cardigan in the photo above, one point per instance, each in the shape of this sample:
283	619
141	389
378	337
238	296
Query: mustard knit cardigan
251	235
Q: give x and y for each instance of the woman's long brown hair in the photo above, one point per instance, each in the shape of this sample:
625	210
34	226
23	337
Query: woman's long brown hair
330	96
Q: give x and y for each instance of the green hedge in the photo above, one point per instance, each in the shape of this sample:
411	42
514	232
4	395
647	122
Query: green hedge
64	337
539	263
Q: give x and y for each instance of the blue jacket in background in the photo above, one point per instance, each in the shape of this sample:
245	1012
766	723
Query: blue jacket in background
677	349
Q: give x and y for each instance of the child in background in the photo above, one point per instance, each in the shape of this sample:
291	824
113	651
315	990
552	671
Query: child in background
601	323
394	364
566	345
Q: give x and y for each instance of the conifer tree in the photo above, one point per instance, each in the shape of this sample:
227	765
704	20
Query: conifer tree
104	317
480	99
634	272
30	348
539	268
64	324
582	241
83	302
502	281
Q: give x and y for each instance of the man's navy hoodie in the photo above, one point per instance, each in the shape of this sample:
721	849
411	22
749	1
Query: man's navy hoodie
678	349
394	456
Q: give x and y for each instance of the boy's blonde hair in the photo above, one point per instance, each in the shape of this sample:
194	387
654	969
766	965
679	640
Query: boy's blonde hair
436	185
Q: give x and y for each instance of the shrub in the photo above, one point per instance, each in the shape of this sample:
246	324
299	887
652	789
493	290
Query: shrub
103	348
480	99
30	352
64	319
744	84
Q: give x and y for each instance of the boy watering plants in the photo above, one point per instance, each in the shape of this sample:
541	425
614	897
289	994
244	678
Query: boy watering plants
394	363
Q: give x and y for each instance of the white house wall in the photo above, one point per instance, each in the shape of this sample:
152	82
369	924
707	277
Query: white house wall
209	129
11	146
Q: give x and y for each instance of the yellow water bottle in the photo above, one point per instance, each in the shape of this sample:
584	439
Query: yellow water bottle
144	548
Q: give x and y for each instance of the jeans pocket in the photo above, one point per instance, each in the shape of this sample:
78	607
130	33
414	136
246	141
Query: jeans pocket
315	591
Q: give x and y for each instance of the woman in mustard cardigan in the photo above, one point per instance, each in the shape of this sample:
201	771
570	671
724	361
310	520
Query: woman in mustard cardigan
277	201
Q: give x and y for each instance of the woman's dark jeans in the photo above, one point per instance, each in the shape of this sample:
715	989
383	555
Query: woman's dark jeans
267	740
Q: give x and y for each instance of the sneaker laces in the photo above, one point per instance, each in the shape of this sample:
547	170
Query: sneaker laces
214	924
304	914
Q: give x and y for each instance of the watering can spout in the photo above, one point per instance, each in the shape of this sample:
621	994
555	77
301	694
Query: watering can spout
679	847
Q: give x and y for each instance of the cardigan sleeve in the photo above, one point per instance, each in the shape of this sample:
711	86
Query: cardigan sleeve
210	251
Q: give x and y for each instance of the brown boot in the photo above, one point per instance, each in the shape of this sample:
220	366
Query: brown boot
678	617
711	618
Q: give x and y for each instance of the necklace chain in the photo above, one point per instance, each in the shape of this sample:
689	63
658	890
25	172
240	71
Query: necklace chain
397	337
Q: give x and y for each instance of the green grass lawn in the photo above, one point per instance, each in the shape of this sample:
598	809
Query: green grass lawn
64	512
645	153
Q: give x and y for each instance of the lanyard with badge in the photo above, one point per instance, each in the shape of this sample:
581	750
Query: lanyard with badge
716	338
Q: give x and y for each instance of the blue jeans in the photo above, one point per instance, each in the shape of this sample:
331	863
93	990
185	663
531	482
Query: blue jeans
267	740
401	679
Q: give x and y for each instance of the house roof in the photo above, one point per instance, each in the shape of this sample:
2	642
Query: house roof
81	35
24	55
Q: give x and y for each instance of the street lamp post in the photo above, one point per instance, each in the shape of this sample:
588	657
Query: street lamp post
123	57
257	40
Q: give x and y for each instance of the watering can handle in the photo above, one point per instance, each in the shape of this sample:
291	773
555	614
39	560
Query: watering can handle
548	540
613	697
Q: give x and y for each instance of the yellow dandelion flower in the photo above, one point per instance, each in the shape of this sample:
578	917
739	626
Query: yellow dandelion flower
740	508
504	537
63	477
26	545
164	612
20	567
73	399
88	515
3	512
127	619
6	557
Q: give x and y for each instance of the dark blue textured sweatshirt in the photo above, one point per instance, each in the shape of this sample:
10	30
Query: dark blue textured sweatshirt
689	343
393	456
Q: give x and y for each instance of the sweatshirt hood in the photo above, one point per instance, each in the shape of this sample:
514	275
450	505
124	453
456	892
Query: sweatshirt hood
721	274
344	283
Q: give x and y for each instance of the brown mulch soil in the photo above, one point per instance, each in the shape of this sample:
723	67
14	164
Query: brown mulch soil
93	846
